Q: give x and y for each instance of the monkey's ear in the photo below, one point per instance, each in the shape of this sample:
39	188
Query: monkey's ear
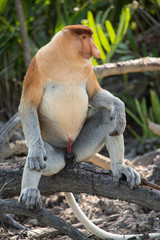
79	29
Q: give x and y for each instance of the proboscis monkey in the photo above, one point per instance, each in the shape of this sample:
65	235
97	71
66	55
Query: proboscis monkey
58	87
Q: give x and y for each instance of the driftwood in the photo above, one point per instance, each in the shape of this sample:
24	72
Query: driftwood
81	178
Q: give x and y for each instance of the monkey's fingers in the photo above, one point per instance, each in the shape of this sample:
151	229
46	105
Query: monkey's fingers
133	178
36	163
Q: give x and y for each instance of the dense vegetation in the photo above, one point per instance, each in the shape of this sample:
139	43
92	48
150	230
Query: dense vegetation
123	30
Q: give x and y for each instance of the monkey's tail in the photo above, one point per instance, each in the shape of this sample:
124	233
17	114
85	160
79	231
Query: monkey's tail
96	230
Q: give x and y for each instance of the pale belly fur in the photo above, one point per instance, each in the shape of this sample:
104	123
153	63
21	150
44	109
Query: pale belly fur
62	112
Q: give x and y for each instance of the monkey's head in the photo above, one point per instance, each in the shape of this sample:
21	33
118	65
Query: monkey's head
78	41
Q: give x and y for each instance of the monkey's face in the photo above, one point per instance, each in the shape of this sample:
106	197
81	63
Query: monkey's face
89	49
78	42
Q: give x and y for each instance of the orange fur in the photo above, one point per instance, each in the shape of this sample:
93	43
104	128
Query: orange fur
92	85
32	86
59	81
79	29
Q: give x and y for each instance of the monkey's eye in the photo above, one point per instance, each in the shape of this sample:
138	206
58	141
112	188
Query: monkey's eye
84	37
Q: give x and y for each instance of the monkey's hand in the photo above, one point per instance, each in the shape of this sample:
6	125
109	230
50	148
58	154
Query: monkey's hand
133	178
31	198
36	157
117	118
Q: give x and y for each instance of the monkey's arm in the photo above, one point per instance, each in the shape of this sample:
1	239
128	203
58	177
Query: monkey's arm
31	96
102	98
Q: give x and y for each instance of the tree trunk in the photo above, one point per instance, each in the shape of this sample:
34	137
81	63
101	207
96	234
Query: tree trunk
24	35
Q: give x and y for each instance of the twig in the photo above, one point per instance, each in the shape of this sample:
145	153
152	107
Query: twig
5	184
144	182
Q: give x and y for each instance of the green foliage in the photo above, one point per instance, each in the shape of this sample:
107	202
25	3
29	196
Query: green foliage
106	37
142	114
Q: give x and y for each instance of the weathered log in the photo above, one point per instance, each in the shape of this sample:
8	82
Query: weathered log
81	178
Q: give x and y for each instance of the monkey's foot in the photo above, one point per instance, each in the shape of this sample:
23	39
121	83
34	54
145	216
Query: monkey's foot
31	198
133	178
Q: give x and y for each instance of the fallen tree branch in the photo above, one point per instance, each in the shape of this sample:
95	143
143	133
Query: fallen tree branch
81	178
137	65
7	220
44	217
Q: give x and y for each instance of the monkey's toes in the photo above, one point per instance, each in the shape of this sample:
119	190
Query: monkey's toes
31	198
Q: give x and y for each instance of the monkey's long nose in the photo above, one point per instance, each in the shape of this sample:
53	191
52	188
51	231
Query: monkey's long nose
95	51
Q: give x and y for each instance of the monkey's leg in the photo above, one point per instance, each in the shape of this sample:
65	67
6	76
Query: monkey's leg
94	134
30	195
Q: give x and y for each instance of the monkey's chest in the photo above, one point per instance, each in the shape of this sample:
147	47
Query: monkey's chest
63	111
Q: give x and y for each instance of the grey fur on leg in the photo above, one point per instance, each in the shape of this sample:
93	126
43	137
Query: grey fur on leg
30	195
94	134
115	146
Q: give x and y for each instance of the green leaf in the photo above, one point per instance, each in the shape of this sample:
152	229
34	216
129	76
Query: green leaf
132	40
98	17
3	3
127	19
134	133
105	15
139	110
103	39
155	105
94	62
92	25
111	31
120	26
132	115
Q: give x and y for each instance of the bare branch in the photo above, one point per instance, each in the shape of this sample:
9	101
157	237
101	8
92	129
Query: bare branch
8	220
82	178
137	65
